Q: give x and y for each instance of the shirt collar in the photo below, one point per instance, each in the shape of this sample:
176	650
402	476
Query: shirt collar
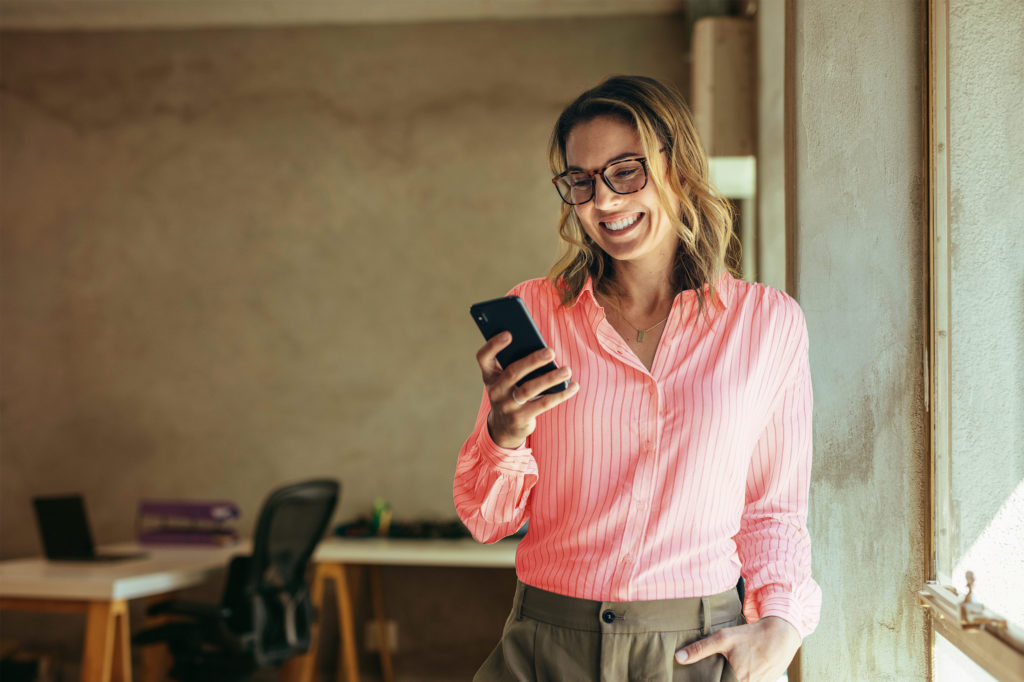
725	288
723	291
587	292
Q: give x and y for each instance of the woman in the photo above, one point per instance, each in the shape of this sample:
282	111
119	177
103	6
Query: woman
679	457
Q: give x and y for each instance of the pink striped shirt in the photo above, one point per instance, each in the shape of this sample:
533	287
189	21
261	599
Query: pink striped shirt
661	484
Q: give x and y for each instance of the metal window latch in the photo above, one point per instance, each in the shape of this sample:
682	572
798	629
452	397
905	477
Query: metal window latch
954	615
974	614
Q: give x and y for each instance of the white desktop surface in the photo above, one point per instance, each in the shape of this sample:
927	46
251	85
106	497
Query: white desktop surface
168	568
163	569
417	552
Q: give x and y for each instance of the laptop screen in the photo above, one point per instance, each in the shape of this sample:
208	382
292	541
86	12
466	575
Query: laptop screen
64	527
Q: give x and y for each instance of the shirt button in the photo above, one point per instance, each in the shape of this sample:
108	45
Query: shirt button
628	559
641	505
608	616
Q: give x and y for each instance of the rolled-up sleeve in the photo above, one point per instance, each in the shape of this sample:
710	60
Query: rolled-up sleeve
492	484
773	543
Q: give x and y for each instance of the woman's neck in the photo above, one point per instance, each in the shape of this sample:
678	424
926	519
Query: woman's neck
646	288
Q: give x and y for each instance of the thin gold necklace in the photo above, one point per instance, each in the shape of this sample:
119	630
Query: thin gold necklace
640	333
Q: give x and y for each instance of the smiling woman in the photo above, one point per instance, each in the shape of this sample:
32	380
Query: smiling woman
647	124
629	226
678	459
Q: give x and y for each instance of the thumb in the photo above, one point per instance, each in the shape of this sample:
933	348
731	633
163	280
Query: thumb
701	649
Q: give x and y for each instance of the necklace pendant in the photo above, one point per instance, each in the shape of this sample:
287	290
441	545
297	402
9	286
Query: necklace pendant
639	336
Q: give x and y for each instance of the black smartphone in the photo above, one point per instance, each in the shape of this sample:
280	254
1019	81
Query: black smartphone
509	314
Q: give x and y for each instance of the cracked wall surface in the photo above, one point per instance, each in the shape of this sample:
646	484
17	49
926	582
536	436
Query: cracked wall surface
860	253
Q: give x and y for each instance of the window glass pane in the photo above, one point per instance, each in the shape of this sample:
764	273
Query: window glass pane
992	549
986	303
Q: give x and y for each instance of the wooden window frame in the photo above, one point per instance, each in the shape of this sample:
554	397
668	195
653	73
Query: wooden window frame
985	637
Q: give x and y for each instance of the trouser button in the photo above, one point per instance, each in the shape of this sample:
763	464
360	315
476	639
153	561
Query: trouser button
608	616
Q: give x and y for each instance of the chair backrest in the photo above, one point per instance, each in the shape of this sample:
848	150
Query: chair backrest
291	523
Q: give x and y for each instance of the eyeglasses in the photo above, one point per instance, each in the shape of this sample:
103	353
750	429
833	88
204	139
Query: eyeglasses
622	177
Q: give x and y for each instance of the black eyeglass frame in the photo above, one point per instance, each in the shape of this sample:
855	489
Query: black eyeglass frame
600	171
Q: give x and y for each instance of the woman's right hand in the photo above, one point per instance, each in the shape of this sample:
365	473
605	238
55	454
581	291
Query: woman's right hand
514	413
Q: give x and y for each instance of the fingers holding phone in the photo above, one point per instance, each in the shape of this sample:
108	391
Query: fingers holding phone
525	384
515	404
487	356
518	370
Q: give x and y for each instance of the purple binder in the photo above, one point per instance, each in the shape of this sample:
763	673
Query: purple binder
187	522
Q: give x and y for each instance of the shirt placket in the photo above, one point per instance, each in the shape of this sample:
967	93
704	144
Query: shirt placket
641	485
638	489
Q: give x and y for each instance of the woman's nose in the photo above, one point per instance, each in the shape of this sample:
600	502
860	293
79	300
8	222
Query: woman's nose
603	195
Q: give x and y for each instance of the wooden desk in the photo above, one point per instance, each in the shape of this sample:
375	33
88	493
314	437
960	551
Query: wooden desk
102	589
334	556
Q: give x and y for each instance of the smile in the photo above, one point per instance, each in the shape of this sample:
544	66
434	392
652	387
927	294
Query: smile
624	223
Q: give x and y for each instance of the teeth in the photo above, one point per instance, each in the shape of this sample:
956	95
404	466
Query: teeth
622	224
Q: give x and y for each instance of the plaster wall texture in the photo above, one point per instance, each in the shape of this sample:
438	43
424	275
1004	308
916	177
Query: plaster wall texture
771	141
231	259
986	55
859	277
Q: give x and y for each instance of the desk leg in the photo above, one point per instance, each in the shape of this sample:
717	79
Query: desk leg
294	669
348	667
155	660
107	651
377	587
304	668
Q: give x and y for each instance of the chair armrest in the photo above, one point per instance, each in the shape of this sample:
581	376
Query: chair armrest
180	607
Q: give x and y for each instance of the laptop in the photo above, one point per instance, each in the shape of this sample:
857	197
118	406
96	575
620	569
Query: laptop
64	528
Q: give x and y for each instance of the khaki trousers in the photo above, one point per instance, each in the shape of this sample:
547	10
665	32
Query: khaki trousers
549	637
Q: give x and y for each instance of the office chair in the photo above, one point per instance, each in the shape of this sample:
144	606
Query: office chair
265	612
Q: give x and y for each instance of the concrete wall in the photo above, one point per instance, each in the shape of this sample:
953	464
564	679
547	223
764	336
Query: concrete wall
231	259
771	143
860	254
986	56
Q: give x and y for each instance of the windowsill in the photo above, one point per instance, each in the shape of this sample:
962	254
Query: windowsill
999	650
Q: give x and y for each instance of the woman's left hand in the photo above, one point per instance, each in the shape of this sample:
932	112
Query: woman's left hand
758	652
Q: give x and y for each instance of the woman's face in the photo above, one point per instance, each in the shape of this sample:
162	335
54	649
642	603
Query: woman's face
628	227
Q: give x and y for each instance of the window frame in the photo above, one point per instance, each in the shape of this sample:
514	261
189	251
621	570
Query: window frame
996	646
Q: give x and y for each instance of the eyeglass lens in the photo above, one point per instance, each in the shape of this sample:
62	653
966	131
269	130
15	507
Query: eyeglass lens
624	177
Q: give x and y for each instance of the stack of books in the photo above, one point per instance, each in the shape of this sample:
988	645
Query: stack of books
187	522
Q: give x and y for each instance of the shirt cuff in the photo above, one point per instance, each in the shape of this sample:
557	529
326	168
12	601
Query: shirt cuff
775	600
518	461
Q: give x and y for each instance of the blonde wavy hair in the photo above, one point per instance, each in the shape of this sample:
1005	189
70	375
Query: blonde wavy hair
701	216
